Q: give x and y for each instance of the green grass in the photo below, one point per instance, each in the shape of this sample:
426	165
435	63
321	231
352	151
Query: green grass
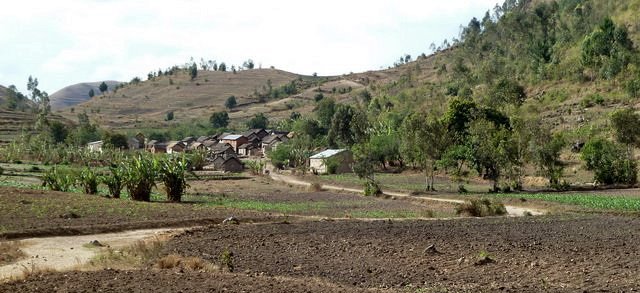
391	214
254	205
591	201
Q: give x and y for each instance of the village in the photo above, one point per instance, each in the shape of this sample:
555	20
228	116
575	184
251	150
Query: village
227	151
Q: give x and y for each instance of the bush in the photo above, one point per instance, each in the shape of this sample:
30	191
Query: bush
609	162
172	173
89	181
371	187
198	160
139	174
114	181
58	179
592	100
481	208
256	167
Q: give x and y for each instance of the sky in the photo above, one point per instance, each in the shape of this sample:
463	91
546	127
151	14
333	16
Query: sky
65	42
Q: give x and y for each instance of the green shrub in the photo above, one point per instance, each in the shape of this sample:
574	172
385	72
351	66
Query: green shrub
371	187
58	179
256	167
88	180
481	208
114	181
592	100
609	162
139	174
172	173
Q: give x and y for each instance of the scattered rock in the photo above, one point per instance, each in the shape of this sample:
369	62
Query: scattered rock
24	201
484	260
231	220
69	215
326	219
96	243
431	249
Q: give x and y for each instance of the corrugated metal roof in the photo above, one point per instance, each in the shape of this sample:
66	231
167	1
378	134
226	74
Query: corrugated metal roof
327	153
232	137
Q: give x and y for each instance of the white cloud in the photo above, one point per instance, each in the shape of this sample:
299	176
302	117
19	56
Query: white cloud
119	39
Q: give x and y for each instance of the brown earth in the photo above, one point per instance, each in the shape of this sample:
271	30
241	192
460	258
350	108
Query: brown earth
535	254
170	281
37	213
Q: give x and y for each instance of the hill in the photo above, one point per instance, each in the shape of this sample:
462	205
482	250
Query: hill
77	93
146	103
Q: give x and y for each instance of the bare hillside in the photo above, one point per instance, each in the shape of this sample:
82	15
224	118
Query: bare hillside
77	93
149	101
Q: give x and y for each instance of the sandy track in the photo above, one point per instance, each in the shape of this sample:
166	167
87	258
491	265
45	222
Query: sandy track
65	253
511	210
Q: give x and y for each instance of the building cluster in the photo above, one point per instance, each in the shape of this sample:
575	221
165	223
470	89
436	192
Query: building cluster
223	151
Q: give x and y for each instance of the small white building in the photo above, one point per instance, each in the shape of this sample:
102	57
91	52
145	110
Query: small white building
95	146
342	161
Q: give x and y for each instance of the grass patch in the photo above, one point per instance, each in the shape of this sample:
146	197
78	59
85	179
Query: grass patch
254	205
10	252
392	214
137	255
591	201
481	208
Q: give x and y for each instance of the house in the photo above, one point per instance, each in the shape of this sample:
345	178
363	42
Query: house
133	143
176	147
259	132
227	164
187	140
270	142
196	146
340	161
202	138
141	140
158	148
221	149
235	140
95	146
249	149
209	143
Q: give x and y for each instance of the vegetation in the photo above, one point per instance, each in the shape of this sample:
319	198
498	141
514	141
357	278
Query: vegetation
481	208
172	173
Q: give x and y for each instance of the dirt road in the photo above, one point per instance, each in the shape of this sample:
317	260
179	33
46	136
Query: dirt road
64	253
511	210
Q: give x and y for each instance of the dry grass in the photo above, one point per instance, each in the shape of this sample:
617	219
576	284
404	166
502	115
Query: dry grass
174	261
482	208
10	252
315	187
137	255
27	272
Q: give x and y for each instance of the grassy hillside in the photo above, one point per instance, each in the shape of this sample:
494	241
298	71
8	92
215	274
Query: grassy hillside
77	93
146	103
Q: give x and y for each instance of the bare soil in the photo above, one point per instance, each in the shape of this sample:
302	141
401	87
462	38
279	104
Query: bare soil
28	213
530	254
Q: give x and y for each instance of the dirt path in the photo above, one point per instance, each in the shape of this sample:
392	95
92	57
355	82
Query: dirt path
64	253
511	210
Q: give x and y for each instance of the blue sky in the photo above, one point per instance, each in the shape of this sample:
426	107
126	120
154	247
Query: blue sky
70	41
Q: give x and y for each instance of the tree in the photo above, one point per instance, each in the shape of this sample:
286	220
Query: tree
348	126
219	119
494	151
115	140
425	139
231	102
324	111
59	131
169	116
258	121
248	64
626	125
103	87
193	71
506	91
608	162
91	93
545	151
222	67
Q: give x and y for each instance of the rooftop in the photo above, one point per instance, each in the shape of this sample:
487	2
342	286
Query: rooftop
232	137
327	153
